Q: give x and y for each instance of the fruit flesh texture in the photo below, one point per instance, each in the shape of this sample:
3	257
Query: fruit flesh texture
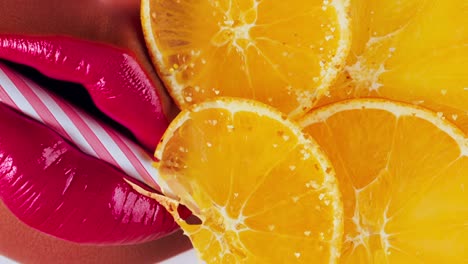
263	195
248	49
413	51
403	184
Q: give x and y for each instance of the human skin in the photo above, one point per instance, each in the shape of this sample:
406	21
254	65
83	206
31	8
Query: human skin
26	245
114	22
113	78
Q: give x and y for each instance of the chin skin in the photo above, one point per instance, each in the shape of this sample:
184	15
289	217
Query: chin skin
26	245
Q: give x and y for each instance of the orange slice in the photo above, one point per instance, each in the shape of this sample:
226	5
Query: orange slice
283	53
414	51
403	174
263	192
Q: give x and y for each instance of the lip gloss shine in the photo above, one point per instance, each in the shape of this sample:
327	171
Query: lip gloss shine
119	87
53	187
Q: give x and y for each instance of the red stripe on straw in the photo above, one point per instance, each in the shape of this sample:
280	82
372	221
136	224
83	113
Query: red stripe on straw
3	93
6	98
41	109
136	163
89	135
85	130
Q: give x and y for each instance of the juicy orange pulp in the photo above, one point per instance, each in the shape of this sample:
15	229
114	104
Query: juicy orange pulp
414	51
402	169
263	192
283	53
403	174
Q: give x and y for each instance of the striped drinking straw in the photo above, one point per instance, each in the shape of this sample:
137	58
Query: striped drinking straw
90	135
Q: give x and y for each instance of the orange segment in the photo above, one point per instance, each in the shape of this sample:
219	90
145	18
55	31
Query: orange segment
402	171
283	53
264	192
414	51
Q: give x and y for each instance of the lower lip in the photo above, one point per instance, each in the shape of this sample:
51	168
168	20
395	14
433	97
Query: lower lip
93	206
89	135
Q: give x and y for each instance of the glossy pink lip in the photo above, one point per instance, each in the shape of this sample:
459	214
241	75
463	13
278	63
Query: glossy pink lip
55	188
119	87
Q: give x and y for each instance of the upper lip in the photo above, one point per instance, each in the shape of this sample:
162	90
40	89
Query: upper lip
54	187
119	87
